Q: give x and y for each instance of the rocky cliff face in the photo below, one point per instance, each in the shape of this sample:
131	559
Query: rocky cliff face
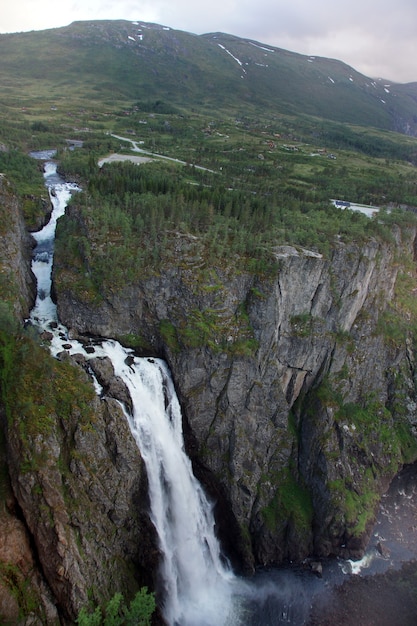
74	527
78	486
79	483
299	408
17	281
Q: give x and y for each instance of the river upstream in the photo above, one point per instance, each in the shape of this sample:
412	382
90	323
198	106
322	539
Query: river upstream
200	589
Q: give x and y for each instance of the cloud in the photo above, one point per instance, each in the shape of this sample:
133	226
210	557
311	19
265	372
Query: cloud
376	37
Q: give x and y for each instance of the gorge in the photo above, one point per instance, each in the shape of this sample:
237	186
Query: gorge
195	586
79	481
216	276
195	583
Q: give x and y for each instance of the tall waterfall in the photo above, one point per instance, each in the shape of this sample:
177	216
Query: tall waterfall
198	587
197	584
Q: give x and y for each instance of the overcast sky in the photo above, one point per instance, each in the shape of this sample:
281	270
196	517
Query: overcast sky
376	37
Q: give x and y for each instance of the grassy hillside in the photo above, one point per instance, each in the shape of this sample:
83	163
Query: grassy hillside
109	63
285	131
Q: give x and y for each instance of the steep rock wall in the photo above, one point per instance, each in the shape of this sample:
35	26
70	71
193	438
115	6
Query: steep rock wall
24	592
18	284
74	525
77	476
253	358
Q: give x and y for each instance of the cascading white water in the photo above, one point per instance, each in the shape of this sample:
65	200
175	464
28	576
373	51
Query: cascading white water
44	312
197	584
199	588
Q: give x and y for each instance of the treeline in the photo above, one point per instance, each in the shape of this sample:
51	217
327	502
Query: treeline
153	199
129	218
25	176
21	170
343	137
378	186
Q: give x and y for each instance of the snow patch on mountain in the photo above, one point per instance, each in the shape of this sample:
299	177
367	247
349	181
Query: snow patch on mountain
233	57
260	47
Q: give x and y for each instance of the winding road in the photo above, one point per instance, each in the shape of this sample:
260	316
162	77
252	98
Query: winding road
144	159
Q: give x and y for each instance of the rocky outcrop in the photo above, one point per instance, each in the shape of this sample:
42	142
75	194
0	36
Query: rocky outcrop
82	492
289	385
24	594
18	284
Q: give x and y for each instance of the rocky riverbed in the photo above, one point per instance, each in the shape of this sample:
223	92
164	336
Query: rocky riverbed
388	599
389	596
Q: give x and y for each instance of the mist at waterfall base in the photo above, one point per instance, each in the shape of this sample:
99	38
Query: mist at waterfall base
197	585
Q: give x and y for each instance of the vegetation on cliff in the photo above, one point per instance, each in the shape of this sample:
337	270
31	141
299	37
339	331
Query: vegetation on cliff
128	219
27	182
38	391
117	613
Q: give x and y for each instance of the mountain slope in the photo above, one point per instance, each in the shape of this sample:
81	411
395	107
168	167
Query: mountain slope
116	61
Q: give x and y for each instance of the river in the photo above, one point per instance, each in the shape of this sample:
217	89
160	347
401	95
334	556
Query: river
199	587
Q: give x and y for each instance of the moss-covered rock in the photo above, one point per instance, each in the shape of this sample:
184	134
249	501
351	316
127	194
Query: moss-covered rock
77	476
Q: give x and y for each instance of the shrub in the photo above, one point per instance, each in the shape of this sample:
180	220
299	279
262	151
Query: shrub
117	613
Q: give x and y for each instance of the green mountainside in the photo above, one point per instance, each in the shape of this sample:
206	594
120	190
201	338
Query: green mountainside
265	119
119	61
275	134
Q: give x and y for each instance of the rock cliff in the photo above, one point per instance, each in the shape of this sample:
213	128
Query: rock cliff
17	281
298	392
78	480
299	404
74	526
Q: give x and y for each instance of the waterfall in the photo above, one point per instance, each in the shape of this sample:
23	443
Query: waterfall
198	587
197	583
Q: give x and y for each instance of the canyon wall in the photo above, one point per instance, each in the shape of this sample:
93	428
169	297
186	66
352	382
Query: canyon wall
18	284
299	404
74	525
298	394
